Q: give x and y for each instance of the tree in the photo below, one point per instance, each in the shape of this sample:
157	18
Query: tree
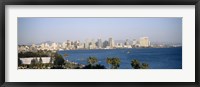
59	60
19	62
97	66
51	60
33	63
136	65
115	62
40	61
108	61
92	60
93	64
145	66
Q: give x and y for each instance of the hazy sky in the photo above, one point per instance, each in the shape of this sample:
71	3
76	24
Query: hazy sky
37	30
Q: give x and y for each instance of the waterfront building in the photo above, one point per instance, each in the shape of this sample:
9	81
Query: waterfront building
127	42
92	45
119	45
33	48
42	46
144	42
23	48
64	45
86	44
99	43
54	46
68	44
111	43
134	42
105	44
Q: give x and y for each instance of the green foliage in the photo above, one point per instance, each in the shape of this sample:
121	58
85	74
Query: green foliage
97	66
59	60
40	61
19	62
34	54
92	60
93	64
136	65
115	62
51	60
145	66
34	63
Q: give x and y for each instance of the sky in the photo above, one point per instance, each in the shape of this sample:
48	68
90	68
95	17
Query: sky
36	30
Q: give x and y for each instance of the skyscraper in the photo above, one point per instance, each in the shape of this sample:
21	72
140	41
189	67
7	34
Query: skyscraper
127	42
86	44
64	45
111	42
99	43
144	42
134	42
105	44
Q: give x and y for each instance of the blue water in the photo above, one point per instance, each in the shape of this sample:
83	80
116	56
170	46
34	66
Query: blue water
157	58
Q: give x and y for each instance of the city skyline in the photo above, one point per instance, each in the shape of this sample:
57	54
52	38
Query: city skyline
38	30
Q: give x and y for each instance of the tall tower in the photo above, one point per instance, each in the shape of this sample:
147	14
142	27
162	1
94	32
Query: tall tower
144	42
99	43
111	42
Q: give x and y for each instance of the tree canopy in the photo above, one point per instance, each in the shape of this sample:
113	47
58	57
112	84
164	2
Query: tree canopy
59	60
115	62
92	60
136	65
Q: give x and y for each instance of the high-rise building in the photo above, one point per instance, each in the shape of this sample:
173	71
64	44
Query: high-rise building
127	42
33	48
111	42
54	46
144	42
105	44
92	44
86	44
42	46
64	45
46	45
68	44
99	43
134	42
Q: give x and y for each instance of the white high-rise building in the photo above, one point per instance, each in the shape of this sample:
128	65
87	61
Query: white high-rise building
54	46
92	44
86	44
33	48
127	42
64	45
144	42
134	42
46	46
42	46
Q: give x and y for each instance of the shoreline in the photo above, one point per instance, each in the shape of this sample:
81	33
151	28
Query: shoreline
122	48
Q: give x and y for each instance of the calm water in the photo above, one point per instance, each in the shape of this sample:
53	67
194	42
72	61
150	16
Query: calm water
157	58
